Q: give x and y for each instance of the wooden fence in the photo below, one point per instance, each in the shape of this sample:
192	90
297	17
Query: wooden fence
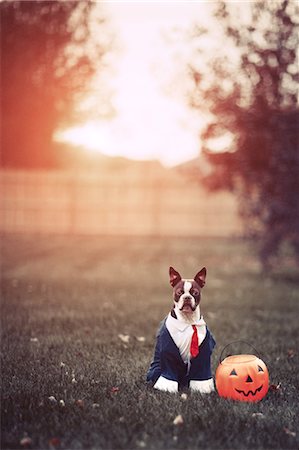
148	200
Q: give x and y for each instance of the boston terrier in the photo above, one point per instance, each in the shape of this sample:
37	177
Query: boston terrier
184	344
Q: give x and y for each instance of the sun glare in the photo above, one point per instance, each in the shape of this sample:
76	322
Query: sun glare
86	136
149	124
158	141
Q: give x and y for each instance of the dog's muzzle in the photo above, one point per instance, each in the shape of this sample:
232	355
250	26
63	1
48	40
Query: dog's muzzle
188	303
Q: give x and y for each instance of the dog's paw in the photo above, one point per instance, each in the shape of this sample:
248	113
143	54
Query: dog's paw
202	386
163	384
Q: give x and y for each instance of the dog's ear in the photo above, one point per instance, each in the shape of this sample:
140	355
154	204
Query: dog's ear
174	276
200	277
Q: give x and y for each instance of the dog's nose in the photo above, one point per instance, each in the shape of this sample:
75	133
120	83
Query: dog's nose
188	298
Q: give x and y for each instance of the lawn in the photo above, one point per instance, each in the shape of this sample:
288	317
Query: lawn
79	317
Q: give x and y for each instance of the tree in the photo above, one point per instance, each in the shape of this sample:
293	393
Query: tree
256	106
47	61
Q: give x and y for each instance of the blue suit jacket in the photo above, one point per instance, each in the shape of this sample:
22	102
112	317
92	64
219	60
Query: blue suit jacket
168	362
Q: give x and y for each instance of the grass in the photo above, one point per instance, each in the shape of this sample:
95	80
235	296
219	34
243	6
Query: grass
65	300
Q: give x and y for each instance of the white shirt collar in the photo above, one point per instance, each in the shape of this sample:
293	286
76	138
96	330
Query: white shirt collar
180	325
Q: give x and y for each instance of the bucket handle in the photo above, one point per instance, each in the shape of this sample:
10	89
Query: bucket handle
234	342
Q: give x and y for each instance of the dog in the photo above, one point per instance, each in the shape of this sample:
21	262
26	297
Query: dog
184	345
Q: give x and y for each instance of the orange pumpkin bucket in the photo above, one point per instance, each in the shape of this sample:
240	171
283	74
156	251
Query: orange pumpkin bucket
242	377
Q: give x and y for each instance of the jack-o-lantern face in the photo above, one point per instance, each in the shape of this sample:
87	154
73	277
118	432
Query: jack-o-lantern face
242	377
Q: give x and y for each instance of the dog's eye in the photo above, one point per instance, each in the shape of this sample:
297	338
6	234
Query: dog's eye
195	292
179	292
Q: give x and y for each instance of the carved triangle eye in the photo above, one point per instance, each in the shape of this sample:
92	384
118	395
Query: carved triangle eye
233	372
260	369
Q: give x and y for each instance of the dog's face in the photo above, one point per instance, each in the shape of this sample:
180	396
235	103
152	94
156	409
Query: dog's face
186	293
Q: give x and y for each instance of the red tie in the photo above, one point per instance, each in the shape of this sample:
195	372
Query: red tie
194	350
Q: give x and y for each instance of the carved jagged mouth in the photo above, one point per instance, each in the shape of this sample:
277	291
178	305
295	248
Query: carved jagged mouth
249	392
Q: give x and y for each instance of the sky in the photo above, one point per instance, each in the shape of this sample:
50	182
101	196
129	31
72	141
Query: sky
152	119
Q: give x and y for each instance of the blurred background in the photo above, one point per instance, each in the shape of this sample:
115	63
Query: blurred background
137	136
152	119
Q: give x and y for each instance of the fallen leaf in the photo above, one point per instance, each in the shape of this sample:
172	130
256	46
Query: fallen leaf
275	387
141	444
34	339
95	405
26	442
291	353
124	338
62	364
140	338
289	432
258	414
54	442
52	399
178	420
80	403
114	389
184	396
62	403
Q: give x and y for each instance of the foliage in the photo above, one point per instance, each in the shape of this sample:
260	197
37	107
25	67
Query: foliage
255	104
48	58
68	307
